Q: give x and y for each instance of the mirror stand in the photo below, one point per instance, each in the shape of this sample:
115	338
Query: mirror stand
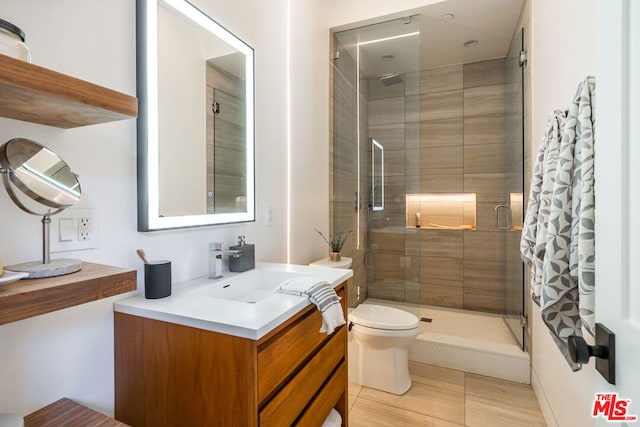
47	267
17	158
46	236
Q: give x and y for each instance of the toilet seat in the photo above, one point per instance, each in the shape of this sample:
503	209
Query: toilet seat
383	318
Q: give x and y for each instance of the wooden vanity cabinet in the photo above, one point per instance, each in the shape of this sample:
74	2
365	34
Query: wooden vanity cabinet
172	375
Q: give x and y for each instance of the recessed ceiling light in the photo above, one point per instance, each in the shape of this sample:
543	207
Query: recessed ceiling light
470	43
387	57
447	17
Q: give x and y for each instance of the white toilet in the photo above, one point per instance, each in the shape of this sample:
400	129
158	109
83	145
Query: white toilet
379	358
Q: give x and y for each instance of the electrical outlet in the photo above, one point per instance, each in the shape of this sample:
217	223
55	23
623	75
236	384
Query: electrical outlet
74	229
84	228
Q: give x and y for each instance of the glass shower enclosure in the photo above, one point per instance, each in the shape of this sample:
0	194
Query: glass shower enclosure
427	173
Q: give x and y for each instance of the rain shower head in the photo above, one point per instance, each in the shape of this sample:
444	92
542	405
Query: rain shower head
390	79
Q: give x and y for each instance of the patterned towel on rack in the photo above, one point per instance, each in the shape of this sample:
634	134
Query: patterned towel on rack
558	239
534	231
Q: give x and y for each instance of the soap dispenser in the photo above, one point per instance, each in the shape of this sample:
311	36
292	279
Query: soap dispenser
245	259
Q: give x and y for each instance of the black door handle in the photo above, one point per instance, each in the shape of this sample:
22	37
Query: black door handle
604	351
580	351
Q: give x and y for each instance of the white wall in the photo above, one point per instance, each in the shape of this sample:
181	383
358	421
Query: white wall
70	352
564	44
310	130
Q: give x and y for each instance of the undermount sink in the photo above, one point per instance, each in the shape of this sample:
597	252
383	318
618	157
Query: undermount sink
250	287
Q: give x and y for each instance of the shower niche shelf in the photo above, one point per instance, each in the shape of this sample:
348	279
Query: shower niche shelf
441	211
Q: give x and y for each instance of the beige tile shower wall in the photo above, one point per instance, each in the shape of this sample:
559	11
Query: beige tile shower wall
492	169
393	121
446	133
441	171
386	124
466	147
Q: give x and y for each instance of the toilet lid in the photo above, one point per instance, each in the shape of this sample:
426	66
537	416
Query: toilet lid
380	317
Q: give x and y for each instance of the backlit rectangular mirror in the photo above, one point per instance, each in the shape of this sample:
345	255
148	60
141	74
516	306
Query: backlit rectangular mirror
377	176
196	119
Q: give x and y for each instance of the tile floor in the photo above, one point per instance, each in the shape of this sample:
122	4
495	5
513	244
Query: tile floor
441	397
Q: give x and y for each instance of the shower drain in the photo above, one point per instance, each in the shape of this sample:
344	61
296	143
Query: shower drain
426	319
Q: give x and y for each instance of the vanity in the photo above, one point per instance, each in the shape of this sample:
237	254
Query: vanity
197	359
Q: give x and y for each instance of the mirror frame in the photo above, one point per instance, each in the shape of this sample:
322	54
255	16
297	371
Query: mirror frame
149	218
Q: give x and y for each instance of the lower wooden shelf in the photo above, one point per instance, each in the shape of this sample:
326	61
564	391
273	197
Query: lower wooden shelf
32	297
66	412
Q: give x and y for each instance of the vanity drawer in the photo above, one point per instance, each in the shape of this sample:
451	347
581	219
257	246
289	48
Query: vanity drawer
287	405
282	355
327	399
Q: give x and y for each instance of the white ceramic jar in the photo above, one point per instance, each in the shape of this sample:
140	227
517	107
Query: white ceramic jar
12	41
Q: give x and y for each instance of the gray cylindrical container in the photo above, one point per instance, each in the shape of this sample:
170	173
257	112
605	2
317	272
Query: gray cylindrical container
157	279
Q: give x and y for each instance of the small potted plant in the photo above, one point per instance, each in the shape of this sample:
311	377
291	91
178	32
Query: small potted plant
335	243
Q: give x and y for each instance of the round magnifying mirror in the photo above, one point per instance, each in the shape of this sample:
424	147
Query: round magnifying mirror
44	177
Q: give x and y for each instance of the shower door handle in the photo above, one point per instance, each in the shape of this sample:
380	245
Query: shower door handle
497	210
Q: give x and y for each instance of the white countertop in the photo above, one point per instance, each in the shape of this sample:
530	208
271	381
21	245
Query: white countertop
186	306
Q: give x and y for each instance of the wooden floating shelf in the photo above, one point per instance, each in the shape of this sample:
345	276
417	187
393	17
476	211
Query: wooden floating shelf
35	94
32	297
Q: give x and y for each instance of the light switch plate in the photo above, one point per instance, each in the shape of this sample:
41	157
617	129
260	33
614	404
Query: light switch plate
65	230
65	225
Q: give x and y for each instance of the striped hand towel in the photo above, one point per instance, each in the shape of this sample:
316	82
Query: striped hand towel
323	296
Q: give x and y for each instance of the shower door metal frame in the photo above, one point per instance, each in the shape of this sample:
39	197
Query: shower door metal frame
516	318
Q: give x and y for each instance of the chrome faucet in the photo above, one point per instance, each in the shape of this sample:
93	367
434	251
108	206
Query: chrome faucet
216	252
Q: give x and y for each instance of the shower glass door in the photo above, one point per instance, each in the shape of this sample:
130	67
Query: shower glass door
376	142
344	203
513	302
